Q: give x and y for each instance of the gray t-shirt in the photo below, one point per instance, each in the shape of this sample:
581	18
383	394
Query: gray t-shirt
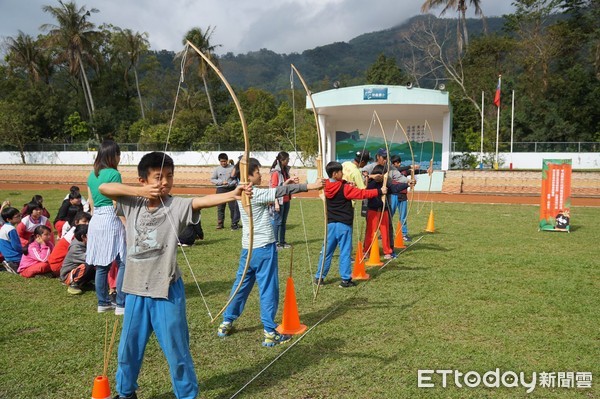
151	264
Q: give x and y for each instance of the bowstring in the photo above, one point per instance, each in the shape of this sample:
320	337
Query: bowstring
366	251
167	210
405	222
309	263
362	224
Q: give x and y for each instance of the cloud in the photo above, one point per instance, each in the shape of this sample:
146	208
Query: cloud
283	26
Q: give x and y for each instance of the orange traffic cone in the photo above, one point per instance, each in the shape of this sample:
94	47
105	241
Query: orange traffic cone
374	258
101	389
399	239
290	323
430	225
358	272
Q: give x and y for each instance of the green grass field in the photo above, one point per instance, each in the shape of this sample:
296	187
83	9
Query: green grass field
486	291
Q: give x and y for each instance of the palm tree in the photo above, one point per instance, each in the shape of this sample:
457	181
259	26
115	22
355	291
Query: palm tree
461	7
131	46
73	37
202	41
26	53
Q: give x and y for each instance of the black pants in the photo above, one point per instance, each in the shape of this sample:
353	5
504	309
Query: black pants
189	234
233	208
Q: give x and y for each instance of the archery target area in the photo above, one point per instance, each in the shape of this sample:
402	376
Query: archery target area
366	117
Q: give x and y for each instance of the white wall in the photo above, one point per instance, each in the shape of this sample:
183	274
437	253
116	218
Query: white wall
184	158
533	160
520	160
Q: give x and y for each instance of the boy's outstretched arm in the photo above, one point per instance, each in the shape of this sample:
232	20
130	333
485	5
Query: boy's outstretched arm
286	189
217	199
116	190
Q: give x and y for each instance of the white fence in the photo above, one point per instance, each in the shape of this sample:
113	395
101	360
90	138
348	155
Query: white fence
520	160
533	160
181	158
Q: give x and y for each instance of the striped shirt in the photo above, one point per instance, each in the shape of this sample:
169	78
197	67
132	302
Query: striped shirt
263	221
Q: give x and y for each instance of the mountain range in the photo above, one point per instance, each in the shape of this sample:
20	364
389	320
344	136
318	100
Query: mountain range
344	62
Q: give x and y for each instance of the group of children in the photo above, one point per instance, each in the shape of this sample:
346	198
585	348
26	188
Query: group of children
29	247
155	295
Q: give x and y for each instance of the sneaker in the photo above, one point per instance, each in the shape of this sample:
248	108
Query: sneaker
285	245
106	308
390	256
347	284
319	281
225	329
274	338
74	290
235	227
406	238
219	227
182	245
9	268
113	296
119	311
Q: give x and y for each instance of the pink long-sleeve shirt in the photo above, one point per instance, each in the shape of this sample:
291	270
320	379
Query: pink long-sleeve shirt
36	253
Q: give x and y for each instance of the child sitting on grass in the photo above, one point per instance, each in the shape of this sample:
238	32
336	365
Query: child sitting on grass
32	218
68	209
62	246
10	244
75	273
36	253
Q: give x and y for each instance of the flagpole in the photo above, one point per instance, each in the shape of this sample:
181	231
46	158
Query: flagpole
481	156
512	125
498	124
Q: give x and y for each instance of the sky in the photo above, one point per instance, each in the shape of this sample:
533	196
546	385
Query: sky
283	26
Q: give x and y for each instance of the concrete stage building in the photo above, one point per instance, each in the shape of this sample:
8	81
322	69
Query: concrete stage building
347	120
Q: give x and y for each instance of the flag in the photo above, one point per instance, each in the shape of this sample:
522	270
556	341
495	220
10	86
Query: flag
497	96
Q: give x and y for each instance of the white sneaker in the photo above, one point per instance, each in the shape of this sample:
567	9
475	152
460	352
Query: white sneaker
119	311
9	268
105	308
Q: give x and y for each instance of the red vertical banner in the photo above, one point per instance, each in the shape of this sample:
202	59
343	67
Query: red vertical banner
555	202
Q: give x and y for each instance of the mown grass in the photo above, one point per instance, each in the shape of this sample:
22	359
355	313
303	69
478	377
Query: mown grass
486	291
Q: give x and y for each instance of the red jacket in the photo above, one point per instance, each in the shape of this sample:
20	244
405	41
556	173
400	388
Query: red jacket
339	196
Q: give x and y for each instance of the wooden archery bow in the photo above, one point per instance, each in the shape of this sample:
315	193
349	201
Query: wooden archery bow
243	174
319	164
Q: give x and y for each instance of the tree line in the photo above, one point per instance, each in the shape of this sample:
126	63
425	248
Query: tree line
79	83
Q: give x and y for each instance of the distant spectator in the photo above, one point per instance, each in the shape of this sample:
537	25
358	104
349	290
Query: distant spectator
222	178
280	175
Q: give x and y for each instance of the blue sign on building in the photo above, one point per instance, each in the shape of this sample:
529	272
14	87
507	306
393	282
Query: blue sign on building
375	93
